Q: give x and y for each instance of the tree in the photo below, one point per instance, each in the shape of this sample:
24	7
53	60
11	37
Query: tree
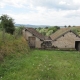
46	27
7	24
69	26
49	32
19	30
73	26
57	27
65	26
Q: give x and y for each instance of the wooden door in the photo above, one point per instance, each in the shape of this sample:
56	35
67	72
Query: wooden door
32	41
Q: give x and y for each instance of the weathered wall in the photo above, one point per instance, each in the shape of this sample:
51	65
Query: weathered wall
38	43
66	41
27	34
23	31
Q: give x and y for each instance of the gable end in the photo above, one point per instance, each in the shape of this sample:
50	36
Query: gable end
66	33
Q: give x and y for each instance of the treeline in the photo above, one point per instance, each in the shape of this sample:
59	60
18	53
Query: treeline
48	30
77	31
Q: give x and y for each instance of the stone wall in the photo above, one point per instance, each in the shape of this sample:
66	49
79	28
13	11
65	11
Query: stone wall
66	41
27	34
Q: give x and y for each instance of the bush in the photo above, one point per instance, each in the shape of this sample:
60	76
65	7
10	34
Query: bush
12	46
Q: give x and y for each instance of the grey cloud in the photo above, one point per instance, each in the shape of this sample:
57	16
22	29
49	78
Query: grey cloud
54	4
72	15
51	4
75	14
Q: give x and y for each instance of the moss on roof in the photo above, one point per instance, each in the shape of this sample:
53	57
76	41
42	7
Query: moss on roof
62	31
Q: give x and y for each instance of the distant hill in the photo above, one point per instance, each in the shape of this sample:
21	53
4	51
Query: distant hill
29	25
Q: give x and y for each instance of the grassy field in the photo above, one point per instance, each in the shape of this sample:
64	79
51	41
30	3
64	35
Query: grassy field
42	65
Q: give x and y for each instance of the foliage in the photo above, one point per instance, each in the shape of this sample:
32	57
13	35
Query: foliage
42	65
48	30
12	45
69	26
7	24
77	31
18	31
65	26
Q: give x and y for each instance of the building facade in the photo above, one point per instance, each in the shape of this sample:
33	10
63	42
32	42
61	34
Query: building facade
64	39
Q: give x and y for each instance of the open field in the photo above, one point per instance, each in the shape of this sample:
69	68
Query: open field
42	65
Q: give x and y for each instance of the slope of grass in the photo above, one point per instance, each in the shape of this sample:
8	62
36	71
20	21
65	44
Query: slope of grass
42	65
11	46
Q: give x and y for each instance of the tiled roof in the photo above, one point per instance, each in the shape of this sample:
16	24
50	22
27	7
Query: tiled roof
60	32
36	33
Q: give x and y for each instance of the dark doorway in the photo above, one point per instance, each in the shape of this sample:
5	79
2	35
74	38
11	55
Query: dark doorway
77	45
46	44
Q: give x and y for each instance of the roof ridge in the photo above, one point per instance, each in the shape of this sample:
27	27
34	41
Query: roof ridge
59	33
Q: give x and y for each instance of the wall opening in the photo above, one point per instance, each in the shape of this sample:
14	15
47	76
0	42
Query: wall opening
77	45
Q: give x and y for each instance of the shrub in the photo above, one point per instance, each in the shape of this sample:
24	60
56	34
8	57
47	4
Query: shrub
12	46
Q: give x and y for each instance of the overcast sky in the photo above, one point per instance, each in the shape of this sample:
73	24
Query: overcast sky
42	12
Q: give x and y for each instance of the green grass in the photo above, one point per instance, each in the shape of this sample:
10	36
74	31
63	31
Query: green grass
42	65
11	45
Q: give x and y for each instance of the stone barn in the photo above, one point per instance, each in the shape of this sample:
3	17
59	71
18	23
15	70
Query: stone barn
36	39
64	38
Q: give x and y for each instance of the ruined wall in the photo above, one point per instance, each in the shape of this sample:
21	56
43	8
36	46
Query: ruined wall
38	43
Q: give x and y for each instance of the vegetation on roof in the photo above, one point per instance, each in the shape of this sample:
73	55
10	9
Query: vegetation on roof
61	31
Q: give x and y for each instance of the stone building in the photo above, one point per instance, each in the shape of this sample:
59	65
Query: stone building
64	38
